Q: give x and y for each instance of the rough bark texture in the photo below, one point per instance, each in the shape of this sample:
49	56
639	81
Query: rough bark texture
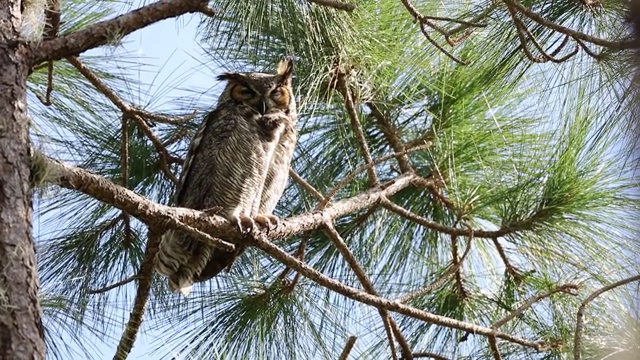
21	331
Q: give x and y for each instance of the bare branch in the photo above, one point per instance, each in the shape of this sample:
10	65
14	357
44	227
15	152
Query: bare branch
142	295
349	104
161	216
391	133
127	110
112	286
511	270
351	341
352	175
443	228
429	355
105	31
305	185
335	4
616	45
390	324
495	350
577	339
567	288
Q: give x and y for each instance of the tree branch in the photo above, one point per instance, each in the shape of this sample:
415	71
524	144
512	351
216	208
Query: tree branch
334	4
567	288
161	216
577	339
105	31
112	286
392	327
142	295
157	215
351	341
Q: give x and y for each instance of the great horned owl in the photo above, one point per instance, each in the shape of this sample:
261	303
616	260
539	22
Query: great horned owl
238	161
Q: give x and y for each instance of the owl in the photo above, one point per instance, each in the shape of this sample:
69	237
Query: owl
237	163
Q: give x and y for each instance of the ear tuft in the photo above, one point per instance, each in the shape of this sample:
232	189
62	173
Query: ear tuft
285	67
229	77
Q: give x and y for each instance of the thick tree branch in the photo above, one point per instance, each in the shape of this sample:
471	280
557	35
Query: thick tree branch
334	4
106	31
157	215
164	216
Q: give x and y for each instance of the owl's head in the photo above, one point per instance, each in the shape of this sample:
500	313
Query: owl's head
262	91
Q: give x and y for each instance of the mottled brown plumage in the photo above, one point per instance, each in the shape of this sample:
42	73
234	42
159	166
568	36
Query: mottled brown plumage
238	161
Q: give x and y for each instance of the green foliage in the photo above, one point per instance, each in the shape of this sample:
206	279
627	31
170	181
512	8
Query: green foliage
534	150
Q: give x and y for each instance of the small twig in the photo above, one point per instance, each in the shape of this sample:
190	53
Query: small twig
305	185
124	150
567	288
616	45
495	350
577	339
127	110
457	264
142	295
351	341
511	270
162	118
352	175
429	355
485	234
446	276
392	327
335	4
112	286
357	126
391	133
175	138
300	256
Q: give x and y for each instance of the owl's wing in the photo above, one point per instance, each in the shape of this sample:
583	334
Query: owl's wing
223	169
278	172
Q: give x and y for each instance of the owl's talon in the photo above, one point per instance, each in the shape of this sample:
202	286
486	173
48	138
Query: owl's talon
268	222
244	223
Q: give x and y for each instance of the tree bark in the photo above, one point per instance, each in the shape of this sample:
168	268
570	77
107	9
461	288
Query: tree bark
21	331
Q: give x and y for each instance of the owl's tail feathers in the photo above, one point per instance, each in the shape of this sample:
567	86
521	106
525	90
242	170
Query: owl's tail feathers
180	284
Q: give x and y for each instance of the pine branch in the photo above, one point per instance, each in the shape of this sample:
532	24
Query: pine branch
161	216
145	275
112	286
334	4
351	341
105	31
392	327
577	339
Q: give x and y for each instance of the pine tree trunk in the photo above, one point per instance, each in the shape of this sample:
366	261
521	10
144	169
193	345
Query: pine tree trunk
21	331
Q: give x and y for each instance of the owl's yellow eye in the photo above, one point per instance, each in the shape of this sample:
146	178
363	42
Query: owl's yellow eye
246	92
242	93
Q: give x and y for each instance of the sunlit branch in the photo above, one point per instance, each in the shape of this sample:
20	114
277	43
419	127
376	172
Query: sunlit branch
577	339
511	270
352	175
495	350
107	31
429	355
262	242
305	185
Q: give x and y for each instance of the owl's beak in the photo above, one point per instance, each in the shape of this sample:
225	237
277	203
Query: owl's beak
262	107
